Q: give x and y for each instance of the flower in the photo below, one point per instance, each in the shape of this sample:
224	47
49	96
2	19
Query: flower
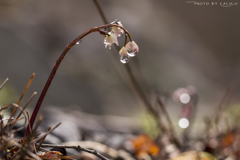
110	39
124	57
132	48
117	30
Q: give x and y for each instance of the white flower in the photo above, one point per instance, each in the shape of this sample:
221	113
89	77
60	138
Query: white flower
124	57
117	30
110	39
132	49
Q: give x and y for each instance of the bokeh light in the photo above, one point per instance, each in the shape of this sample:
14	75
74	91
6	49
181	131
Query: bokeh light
183	123
185	98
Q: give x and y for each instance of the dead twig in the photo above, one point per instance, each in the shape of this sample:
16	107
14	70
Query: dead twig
25	90
77	147
45	134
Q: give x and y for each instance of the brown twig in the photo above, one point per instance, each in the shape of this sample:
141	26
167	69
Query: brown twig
25	90
30	99
45	134
77	147
23	149
49	128
9	123
22	111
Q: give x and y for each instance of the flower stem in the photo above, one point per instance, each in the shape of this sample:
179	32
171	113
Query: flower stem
54	70
125	43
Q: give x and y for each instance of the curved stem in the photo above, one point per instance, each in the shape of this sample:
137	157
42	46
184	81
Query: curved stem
56	65
125	40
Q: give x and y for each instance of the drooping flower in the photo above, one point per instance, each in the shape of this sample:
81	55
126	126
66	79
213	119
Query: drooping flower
132	48
117	30
110	39
124	57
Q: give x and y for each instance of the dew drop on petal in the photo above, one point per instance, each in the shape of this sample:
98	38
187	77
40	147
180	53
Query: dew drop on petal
78	42
125	58
106	42
132	54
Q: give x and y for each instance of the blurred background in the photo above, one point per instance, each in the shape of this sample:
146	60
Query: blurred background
180	44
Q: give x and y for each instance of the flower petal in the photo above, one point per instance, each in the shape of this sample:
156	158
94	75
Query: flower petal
132	48
117	30
124	57
110	39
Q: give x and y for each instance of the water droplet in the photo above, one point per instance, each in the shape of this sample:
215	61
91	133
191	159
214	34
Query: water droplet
132	54
125	58
106	43
78	42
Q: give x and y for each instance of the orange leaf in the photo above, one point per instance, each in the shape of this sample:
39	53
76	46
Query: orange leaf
143	143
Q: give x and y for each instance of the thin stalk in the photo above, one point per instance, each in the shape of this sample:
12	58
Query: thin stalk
133	83
42	140
56	65
3	83
24	107
45	134
23	93
25	90
193	102
163	108
104	19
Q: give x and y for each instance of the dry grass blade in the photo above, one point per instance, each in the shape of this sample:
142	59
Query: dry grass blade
28	117
33	132
30	99
45	134
25	117
49	128
25	90
3	83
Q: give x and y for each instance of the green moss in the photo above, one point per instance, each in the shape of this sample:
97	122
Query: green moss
149	125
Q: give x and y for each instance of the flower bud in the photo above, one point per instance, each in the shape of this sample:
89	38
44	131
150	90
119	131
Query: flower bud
124	57
132	48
